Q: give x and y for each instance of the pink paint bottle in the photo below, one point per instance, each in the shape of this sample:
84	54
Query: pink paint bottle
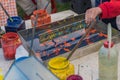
74	77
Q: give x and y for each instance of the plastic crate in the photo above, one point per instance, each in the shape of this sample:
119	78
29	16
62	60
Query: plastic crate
63	43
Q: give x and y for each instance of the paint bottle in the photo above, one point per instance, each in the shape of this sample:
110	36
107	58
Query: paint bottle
16	25
74	77
43	18
1	74
61	67
108	62
10	41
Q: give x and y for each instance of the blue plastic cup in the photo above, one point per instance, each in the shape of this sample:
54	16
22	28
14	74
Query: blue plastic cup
15	25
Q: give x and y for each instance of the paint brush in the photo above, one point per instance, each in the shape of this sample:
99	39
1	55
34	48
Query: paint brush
47	5
33	32
35	24
109	39
6	12
80	41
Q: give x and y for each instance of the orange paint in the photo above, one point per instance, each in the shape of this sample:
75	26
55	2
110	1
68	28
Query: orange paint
49	30
88	41
93	31
50	43
72	39
102	35
67	44
42	45
57	51
66	49
105	35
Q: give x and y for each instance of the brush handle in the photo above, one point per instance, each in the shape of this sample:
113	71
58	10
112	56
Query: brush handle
47	5
6	12
81	39
33	32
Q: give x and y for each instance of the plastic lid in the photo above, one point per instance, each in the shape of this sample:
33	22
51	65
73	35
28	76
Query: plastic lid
58	63
16	21
74	77
10	36
106	44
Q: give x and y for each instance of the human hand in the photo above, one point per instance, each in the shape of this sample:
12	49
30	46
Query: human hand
91	14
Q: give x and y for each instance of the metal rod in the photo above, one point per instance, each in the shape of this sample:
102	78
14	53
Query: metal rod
47	5
84	35
6	12
78	69
33	32
35	24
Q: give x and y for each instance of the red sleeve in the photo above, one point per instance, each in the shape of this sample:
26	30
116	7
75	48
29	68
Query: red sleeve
110	9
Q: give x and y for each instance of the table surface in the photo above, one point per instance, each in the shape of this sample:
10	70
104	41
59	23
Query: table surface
5	64
91	61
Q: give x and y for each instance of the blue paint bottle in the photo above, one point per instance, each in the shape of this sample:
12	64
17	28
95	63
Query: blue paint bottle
16	25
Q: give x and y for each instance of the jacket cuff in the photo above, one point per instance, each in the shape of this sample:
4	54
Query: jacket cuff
104	11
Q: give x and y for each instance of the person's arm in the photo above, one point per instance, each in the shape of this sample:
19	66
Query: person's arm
91	14
110	9
105	10
27	5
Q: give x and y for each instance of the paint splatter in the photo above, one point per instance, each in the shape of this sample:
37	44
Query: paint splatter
88	41
93	31
73	39
49	30
102	35
42	45
66	49
67	44
56	51
50	43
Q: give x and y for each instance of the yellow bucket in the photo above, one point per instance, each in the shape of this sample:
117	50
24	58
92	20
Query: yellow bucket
61	67
1	75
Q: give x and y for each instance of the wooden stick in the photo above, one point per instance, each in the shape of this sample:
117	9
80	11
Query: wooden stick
84	35
6	12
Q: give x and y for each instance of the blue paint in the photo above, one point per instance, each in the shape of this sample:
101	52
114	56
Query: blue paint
16	21
16	25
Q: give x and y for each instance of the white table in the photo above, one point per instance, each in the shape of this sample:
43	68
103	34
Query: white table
90	63
90	60
4	64
55	17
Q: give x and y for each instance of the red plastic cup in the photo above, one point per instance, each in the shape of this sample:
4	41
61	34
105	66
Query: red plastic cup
74	77
10	41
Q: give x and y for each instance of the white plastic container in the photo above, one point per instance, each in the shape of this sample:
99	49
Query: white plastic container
108	62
